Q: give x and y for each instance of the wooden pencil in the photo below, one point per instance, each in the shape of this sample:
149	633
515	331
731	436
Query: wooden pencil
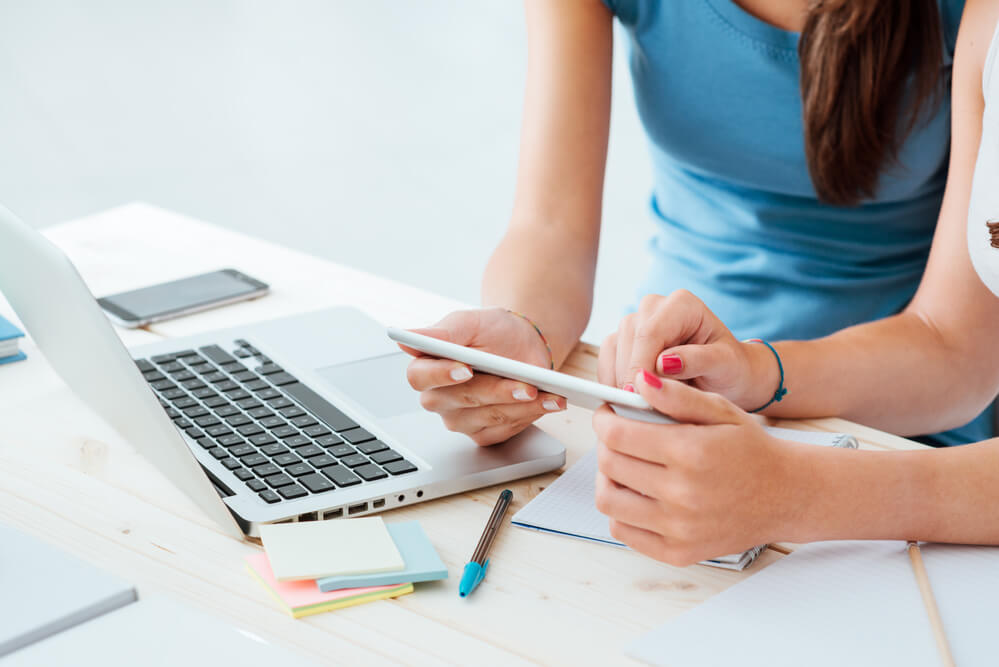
916	556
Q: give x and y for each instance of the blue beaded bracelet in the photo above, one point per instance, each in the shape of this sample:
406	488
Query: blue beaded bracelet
781	391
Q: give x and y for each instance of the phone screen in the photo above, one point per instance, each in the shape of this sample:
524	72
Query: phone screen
180	295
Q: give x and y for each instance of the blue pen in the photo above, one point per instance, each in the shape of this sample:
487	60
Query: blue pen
475	571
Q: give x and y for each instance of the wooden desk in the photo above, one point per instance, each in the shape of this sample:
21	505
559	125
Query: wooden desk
73	481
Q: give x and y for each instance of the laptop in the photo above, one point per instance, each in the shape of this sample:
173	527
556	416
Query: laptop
301	418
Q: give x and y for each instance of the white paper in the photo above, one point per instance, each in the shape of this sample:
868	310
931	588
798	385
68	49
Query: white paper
840	603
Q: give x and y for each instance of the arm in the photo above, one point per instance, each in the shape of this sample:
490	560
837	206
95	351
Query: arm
933	366
545	264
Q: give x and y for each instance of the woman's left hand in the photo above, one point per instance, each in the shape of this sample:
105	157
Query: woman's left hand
712	485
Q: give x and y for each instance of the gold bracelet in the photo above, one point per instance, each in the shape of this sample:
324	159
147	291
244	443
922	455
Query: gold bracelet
551	357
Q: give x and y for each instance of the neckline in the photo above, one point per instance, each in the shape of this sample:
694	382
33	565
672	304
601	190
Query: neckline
754	28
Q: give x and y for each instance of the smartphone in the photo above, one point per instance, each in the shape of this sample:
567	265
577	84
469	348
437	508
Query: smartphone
584	393
181	297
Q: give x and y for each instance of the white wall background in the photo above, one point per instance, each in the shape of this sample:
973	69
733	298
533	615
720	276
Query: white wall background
381	134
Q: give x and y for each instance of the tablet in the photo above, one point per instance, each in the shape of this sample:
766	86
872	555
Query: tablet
584	393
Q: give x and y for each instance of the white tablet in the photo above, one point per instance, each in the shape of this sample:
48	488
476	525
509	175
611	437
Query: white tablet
584	393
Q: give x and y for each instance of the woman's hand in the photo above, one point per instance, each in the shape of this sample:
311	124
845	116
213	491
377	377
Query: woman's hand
716	484
678	337
487	408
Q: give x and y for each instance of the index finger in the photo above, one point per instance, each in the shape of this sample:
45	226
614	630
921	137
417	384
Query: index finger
425	373
662	324
655	443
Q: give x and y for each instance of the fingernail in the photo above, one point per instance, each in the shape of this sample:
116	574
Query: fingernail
651	380
550	405
460	373
521	394
670	363
629	387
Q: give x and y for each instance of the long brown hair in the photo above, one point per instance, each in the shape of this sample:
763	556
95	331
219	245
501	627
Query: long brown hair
861	61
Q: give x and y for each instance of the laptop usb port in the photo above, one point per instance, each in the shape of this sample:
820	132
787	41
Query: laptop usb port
354	509
333	514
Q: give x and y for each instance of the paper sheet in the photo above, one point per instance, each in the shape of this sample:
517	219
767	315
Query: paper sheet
840	603
567	508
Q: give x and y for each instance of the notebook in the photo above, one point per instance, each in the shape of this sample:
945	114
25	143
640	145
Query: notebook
566	507
9	339
303	598
316	549
156	631
422	562
831	604
44	591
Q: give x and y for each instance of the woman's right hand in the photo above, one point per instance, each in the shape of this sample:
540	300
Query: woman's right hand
486	408
678	337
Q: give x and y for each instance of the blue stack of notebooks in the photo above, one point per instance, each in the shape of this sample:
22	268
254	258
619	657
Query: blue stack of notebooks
9	335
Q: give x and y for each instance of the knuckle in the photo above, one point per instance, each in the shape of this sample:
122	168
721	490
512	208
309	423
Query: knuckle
497	417
429	400
678	556
413	377
609	342
682	296
602	499
469	399
616	530
649	303
613	432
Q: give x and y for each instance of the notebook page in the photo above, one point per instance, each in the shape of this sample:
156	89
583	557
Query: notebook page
965	583
566	507
829	604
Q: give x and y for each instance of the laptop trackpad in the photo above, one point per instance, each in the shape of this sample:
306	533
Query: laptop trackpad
378	384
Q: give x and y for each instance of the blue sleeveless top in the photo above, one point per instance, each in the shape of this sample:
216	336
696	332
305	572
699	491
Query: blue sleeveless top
738	221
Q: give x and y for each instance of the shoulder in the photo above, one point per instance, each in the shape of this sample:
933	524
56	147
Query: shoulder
977	28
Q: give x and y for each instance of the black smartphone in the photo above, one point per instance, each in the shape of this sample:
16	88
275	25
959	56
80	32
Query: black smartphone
181	297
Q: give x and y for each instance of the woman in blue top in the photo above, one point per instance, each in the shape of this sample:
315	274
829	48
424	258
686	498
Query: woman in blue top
799	151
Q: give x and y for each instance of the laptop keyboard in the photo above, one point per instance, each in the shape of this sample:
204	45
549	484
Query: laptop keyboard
280	438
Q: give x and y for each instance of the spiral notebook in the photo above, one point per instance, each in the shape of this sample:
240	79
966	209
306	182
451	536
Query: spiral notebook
567	507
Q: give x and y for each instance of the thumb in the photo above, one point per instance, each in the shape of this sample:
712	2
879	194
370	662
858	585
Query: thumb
460	327
440	333
686	404
687	362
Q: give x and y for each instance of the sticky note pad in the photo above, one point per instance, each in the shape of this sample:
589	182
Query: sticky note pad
315	549
302	598
422	562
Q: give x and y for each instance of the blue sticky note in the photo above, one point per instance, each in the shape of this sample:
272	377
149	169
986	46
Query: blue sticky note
422	562
8	330
20	356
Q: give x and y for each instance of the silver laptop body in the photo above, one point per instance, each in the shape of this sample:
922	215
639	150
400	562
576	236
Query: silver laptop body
343	383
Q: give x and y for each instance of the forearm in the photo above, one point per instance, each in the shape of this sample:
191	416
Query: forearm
901	374
544	273
940	495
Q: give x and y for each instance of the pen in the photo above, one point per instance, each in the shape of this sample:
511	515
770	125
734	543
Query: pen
475	570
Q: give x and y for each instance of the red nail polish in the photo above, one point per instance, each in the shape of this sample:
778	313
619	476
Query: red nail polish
651	380
670	364
629	387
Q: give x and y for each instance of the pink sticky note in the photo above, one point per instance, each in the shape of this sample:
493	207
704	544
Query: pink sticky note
304	593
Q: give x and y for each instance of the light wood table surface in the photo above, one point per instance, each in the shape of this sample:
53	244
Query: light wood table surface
68	478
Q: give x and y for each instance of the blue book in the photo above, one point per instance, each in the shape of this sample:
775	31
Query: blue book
9	335
422	562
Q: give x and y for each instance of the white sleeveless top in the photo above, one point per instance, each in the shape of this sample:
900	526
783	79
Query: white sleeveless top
984	204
